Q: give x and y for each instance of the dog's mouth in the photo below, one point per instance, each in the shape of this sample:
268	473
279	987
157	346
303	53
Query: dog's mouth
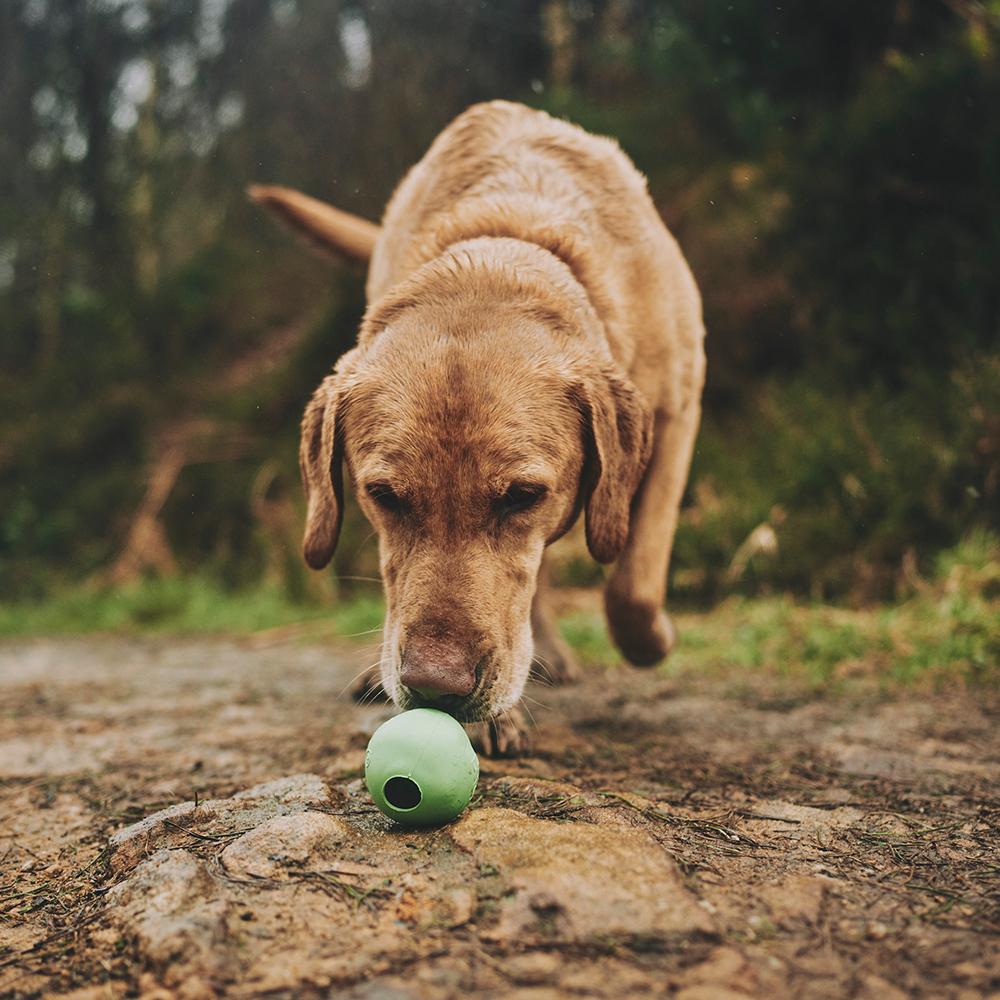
462	708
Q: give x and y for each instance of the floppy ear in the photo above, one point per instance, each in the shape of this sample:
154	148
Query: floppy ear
618	430
321	456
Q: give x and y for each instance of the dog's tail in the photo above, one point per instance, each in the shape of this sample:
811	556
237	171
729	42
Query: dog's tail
325	227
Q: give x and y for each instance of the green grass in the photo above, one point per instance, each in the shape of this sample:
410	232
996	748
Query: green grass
925	640
945	633
188	605
587	634
807	642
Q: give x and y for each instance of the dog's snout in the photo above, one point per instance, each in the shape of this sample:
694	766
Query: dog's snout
437	667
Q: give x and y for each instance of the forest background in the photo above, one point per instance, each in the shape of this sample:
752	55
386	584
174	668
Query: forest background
831	171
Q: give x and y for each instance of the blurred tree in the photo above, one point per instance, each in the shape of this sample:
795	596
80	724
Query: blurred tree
134	276
832	171
894	218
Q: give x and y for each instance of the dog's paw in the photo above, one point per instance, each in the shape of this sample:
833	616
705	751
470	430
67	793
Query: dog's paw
501	737
645	635
368	687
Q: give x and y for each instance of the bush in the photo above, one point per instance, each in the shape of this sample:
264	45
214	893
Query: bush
853	485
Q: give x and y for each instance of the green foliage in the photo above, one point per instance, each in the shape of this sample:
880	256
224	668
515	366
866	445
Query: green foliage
81	435
892	226
852	483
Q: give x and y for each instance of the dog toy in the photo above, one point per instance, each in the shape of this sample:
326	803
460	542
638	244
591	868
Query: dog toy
420	768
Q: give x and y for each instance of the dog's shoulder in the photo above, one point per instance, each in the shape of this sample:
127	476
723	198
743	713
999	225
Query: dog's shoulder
503	169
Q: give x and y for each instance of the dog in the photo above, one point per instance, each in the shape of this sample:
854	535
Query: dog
532	350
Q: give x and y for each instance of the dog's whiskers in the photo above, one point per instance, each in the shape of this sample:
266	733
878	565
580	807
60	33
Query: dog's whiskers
542	672
370	690
367	631
534	701
522	704
369	697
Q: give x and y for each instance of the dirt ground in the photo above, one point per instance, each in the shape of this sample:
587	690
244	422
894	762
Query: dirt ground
186	818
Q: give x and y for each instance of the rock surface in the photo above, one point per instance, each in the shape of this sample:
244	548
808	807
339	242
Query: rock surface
187	820
577	883
312	878
170	909
246	810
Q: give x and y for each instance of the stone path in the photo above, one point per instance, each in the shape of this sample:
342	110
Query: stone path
187	819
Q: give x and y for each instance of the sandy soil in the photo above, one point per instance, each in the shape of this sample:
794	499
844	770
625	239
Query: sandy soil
186	818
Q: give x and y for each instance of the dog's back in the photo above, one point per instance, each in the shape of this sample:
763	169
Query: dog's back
504	170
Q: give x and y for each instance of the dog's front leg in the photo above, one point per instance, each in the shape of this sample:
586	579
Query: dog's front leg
554	661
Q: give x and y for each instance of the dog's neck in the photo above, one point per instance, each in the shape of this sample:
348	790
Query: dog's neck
522	274
535	221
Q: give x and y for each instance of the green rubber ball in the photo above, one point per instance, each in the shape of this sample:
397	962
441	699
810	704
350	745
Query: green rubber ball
420	768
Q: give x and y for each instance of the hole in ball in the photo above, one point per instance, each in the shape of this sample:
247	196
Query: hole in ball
402	793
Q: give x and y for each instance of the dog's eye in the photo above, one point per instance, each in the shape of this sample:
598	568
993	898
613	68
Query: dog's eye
385	497
519	498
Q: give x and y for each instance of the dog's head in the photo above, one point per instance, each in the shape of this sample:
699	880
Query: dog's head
474	434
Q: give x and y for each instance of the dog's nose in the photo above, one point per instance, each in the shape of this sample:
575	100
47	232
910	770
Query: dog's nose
436	667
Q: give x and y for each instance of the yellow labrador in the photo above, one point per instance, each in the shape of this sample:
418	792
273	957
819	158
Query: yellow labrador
532	349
